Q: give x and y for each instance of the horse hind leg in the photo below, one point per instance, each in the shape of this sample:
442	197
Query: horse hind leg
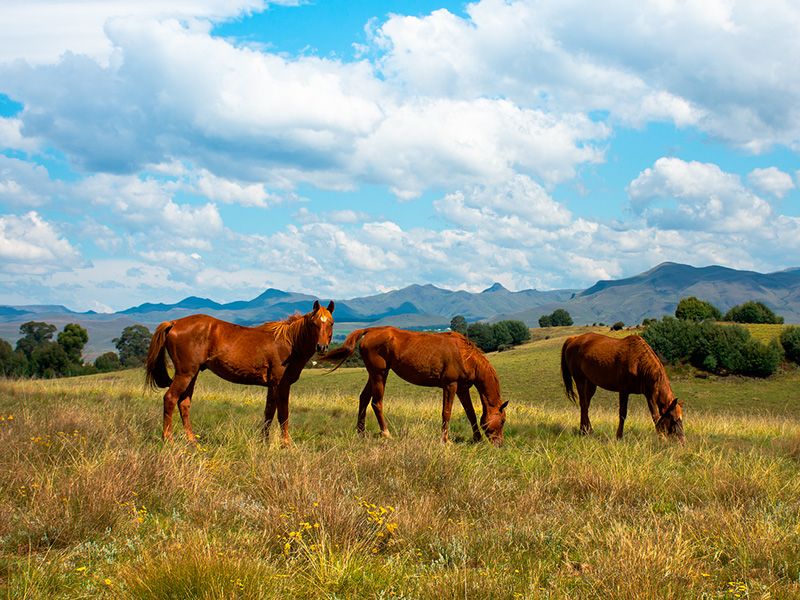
466	402
363	402
377	386
623	413
585	391
184	406
175	392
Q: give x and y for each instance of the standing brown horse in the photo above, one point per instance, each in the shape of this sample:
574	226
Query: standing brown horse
271	355
628	366
445	360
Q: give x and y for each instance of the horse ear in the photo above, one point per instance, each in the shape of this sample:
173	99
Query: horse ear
680	402
331	306
315	308
503	406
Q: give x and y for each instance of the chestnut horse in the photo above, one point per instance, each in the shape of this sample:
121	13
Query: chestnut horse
271	355
445	360
627	366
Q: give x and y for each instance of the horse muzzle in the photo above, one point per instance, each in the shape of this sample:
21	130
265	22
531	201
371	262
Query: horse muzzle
322	348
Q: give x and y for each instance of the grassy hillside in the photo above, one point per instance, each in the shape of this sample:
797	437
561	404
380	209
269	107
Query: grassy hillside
94	505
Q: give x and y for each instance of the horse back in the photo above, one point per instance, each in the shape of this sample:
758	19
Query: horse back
619	365
234	352
430	359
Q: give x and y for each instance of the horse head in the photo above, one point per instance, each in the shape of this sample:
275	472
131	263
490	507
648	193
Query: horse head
492	424
321	321
671	422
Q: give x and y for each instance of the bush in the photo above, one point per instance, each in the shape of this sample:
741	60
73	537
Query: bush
708	346
519	332
558	318
752	312
618	326
13	363
482	335
790	340
108	362
694	309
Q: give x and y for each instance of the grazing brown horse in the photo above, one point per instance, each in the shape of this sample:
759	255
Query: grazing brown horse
628	366
445	360
271	355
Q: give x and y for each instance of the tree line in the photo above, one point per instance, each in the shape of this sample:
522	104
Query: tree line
37	354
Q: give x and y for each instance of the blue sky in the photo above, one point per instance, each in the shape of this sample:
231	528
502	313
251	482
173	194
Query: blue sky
155	150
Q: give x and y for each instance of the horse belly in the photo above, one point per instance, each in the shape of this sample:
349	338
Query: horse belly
426	375
246	374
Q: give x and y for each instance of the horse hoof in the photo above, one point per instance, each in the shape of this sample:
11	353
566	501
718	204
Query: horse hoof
386	435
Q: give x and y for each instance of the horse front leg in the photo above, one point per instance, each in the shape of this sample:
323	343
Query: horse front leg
623	413
283	415
447	409
269	411
466	402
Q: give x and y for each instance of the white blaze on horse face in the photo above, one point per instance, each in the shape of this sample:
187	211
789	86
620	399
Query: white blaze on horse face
324	319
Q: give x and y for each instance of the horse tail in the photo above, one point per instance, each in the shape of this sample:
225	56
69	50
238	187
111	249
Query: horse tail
565	373
156	375
346	350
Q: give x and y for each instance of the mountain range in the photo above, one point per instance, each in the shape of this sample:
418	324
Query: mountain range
650	294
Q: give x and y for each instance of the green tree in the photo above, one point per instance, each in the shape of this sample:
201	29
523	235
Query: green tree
482	335
694	309
108	362
560	318
790	340
502	334
72	340
132	345
49	360
752	312
618	326
34	334
458	324
13	363
545	321
519	331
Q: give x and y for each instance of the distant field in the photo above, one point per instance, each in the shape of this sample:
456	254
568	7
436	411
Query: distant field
94	505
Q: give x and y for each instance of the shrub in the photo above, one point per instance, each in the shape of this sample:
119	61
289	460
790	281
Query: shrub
790	340
558	318
482	335
619	325
752	312
694	309
108	362
672	339
519	331
712	347
13	363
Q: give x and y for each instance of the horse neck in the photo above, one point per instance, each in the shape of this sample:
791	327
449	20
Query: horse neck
662	394
486	382
300	338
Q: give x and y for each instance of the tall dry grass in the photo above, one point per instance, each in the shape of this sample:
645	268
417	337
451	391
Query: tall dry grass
95	505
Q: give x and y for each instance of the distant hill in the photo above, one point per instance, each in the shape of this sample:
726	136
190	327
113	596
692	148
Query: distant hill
650	294
656	292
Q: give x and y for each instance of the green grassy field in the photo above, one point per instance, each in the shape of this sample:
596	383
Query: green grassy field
93	504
